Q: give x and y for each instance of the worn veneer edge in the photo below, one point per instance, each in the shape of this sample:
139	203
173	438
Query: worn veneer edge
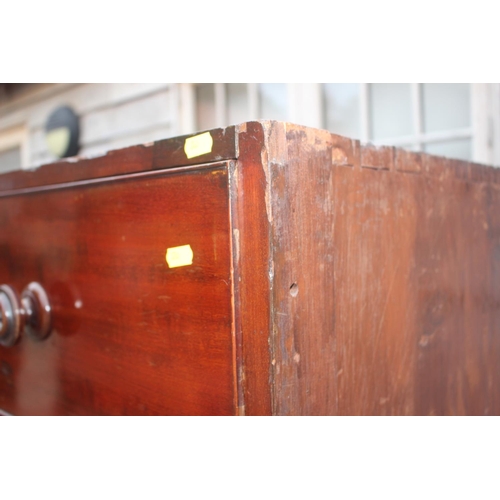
239	403
275	159
387	159
156	154
114	178
250	242
238	368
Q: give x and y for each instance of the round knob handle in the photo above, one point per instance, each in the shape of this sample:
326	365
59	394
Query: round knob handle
37	311
31	313
11	316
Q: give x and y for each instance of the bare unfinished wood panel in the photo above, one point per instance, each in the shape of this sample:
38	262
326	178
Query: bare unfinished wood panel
386	289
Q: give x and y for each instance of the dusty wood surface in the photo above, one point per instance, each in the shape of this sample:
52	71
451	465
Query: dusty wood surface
386	283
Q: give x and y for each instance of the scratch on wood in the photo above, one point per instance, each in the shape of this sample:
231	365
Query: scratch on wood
267	194
236	235
387	299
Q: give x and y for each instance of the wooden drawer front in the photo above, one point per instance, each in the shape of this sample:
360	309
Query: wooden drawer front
131	335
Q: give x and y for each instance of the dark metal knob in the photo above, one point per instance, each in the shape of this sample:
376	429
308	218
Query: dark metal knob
11	316
37	311
31	313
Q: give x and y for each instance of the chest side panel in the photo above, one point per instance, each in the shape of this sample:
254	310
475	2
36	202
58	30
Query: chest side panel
386	281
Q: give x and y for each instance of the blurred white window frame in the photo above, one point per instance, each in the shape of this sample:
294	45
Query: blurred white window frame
16	138
306	106
418	139
483	131
303	105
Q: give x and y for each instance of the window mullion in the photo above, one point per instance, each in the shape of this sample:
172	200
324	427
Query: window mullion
186	94
428	137
220	104
364	109
481	123
253	100
416	98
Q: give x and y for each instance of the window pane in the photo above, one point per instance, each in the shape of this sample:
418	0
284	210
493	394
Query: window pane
390	110
10	159
205	106
446	106
237	101
273	101
341	104
460	149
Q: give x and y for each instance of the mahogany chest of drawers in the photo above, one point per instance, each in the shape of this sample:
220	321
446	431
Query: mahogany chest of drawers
262	269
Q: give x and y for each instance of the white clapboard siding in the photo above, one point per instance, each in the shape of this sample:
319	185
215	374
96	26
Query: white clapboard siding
111	116
108	124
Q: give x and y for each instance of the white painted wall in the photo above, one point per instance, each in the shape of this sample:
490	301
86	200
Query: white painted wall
112	116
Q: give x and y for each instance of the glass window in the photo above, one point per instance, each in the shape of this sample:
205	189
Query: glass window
459	148
408	115
237	101
446	106
390	110
341	108
273	101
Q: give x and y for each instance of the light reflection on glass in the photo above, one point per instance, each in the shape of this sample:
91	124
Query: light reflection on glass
341	108
273	101
460	149
446	106
390	110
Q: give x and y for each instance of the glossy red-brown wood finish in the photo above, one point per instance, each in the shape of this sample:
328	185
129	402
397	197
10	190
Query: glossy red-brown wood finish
251	256
131	335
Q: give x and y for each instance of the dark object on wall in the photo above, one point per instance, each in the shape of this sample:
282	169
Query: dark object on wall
263	269
62	132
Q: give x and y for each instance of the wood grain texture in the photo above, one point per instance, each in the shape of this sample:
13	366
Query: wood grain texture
131	335
330	278
252	265
386	290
